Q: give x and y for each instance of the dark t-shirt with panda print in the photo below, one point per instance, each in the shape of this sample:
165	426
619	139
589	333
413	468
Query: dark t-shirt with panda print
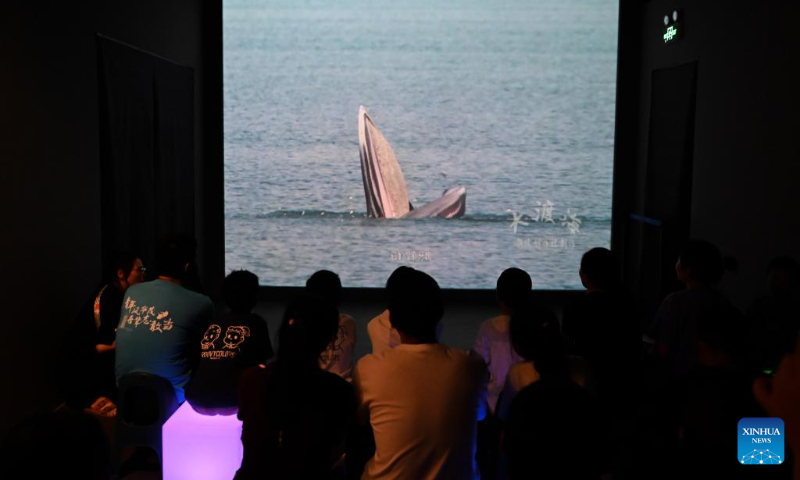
232	343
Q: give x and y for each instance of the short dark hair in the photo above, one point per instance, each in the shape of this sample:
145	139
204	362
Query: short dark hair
308	326
326	285
601	267
396	284
535	336
704	259
240	291
174	253
514	287
415	307
120	259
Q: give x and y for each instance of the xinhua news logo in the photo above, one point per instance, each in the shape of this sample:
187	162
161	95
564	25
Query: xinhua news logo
761	441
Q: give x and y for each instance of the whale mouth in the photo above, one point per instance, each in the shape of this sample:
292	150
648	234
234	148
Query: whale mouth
385	187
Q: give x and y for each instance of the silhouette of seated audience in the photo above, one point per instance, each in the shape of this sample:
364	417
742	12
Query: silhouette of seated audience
513	292
162	320
338	356
232	343
493	342
699	268
414	406
86	371
701	408
294	414
381	332
552	426
603	327
534	335
422	399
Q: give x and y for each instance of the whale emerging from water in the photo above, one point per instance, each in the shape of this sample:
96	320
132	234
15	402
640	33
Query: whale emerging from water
385	187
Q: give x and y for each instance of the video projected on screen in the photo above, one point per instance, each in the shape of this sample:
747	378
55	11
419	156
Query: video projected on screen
459	137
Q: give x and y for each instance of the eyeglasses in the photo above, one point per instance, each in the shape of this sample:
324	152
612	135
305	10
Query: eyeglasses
141	270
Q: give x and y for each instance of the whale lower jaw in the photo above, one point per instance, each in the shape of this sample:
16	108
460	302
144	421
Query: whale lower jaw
452	204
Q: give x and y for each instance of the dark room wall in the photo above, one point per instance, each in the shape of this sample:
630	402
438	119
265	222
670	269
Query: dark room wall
50	182
746	157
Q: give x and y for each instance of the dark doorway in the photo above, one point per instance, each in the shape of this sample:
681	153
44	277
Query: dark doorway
664	225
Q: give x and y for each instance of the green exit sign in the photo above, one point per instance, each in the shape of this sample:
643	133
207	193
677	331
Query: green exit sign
670	34
673	26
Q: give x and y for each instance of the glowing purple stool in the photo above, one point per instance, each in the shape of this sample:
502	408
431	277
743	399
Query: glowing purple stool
199	447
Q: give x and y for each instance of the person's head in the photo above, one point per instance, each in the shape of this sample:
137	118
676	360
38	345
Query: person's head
700	263
240	291
415	305
125	269
783	275
513	289
308	326
719	337
396	284
326	285
175	256
599	270
534	334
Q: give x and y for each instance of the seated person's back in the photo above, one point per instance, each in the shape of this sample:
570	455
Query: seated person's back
603	328
552	433
699	267
534	334
422	399
381	333
234	342
161	321
86	363
493	342
294	414
338	356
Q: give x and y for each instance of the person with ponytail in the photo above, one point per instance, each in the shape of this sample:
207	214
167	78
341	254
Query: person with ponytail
294	414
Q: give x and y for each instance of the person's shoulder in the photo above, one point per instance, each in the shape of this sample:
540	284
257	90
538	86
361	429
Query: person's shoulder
379	320
139	288
248	319
198	298
499	322
520	369
374	361
674	299
372	358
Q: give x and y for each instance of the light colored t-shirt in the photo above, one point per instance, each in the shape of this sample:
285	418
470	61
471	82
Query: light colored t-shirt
494	345
338	357
161	324
423	402
382	336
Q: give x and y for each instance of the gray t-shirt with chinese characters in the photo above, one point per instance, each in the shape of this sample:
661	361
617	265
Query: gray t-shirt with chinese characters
160	326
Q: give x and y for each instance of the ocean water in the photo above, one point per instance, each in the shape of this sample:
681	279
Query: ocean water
513	99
